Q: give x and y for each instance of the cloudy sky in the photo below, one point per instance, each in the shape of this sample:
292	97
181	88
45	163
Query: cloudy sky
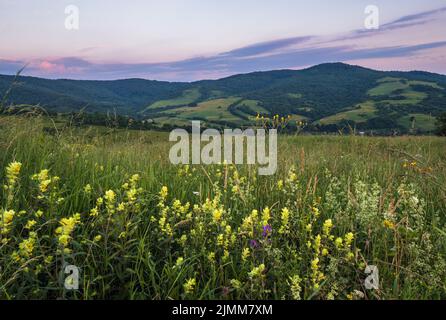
186	40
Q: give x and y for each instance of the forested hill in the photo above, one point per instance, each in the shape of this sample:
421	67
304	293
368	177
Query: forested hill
327	95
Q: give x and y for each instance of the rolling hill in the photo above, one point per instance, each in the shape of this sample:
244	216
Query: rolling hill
327	96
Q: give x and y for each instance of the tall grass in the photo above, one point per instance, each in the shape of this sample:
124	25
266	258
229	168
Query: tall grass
336	205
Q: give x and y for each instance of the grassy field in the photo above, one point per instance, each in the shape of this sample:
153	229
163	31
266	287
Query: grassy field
189	96
216	109
109	202
387	87
364	112
422	121
254	106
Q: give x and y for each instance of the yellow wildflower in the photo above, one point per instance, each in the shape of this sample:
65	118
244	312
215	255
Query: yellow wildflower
164	192
295	287
189	286
220	239
122	235
315	264
317	243
328	224
26	247
308	227
30	224
285	219
64	239
179	261
110	196
12	172
338	242
388	224
121	207
315	211
257	271
87	189
94	212
236	284
6	218
66	228
266	215
211	257
348	239
217	215
183	239
245	254
43	186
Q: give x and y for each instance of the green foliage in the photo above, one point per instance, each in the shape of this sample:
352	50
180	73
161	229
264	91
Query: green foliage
108	201
327	94
441	122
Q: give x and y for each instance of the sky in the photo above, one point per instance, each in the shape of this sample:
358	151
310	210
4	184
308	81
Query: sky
188	40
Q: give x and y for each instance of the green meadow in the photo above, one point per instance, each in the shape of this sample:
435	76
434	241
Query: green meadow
109	202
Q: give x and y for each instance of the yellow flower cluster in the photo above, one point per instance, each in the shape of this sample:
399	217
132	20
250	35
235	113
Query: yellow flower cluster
163	193
87	188
6	218
249	224
316	274
217	215
216	233
26	248
12	173
274	122
189	286
295	287
388	224
132	189
285	216
266	216
110	199
326	228
245	254
45	180
257	271
65	230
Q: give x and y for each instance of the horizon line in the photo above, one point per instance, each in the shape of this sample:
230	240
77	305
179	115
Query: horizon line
18	74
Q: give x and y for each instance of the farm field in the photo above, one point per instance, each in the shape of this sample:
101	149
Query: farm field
212	110
362	113
109	202
187	97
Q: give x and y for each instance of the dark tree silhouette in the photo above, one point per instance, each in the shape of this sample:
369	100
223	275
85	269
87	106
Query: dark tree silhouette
441	123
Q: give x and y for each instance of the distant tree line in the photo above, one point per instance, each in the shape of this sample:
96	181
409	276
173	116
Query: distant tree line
441	125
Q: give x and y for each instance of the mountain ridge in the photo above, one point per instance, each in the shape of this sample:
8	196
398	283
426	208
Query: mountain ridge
329	94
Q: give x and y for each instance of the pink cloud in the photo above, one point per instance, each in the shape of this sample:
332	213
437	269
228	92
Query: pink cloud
47	66
55	66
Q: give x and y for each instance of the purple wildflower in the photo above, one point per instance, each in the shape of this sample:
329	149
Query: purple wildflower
267	230
253	243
